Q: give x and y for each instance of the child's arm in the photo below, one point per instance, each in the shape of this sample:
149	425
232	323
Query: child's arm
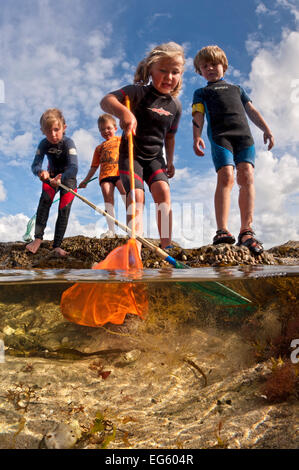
89	175
258	120
169	150
127	120
198	121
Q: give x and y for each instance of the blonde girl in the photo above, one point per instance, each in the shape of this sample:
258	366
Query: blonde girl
153	120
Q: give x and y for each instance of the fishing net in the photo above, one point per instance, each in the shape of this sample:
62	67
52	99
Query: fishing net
28	235
95	304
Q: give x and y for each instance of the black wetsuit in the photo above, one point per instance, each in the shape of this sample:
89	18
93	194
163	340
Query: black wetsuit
157	115
62	158
228	128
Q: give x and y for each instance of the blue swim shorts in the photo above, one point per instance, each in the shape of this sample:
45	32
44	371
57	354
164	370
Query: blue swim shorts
223	157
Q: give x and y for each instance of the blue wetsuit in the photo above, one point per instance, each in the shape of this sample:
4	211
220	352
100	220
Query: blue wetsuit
62	158
228	128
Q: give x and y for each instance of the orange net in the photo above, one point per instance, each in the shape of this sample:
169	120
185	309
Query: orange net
95	304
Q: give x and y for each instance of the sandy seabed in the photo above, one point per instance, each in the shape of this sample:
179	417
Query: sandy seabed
181	389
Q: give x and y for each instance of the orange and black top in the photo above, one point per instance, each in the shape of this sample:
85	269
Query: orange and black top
107	154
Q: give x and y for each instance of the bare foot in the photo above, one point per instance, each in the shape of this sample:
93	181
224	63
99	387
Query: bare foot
34	245
60	251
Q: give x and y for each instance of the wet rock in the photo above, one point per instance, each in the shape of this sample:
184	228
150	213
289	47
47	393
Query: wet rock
83	252
289	251
63	436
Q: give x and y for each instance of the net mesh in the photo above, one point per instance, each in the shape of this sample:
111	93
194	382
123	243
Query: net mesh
95	304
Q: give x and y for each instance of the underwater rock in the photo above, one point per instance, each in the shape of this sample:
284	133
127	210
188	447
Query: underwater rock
63	436
83	252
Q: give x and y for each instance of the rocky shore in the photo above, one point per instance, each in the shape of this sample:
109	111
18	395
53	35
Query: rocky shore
83	252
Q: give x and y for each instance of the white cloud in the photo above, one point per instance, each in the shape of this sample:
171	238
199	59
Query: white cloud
2	191
42	70
86	144
271	82
13	227
16	147
261	8
292	6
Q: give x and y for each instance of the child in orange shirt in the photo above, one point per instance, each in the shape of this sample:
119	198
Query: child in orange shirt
106	155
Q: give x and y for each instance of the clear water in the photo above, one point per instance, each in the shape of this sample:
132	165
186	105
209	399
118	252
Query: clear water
188	375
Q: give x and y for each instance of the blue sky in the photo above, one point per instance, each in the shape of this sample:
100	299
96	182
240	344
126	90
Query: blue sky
69	53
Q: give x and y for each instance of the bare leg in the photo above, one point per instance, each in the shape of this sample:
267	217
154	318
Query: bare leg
225	181
34	245
245	180
121	190
161	195
108	194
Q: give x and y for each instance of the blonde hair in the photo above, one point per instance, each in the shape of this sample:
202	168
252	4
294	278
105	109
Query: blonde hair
103	118
212	54
49	117
169	50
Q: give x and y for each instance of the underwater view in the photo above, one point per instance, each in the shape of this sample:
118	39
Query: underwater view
207	358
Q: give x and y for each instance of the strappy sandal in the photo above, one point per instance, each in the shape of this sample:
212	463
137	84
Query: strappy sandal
252	243
223	236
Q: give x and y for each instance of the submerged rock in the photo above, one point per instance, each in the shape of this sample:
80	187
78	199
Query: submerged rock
62	436
83	252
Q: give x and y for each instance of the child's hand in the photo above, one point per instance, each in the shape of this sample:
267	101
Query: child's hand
170	170
269	137
55	182
44	175
83	184
128	122
196	147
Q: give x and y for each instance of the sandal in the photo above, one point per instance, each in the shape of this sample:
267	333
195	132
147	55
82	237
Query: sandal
223	236
252	243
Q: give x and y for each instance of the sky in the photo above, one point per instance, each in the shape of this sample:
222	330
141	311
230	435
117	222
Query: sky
70	53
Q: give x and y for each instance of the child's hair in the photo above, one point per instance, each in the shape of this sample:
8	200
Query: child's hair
103	118
212	54
49	117
169	50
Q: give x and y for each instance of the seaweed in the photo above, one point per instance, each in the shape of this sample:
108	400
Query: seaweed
221	443
101	432
21	396
192	363
98	368
281	383
104	428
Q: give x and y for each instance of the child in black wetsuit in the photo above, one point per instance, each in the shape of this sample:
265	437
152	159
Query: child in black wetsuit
153	120
226	106
62	166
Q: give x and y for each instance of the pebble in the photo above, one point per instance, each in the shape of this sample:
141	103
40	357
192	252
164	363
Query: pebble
63	436
132	356
7	330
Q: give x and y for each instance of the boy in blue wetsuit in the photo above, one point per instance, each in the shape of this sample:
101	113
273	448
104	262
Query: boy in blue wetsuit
226	106
62	167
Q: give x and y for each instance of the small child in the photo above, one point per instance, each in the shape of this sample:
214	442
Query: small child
62	167
153	120
231	141
106	154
